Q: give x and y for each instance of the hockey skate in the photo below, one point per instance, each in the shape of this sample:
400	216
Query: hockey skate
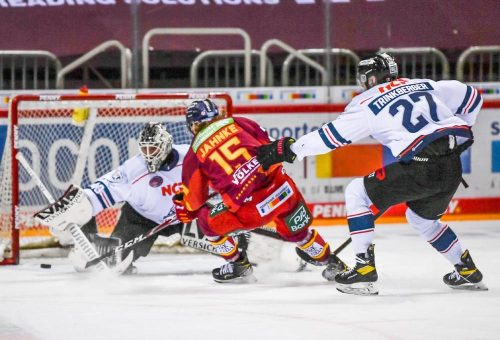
360	280
239	271
334	264
465	275
314	249
308	259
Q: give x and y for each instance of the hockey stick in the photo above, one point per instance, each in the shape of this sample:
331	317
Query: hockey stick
131	243
274	234
78	236
141	237
349	240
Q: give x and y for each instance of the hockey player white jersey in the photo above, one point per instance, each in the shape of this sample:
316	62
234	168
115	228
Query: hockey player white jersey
150	194
405	115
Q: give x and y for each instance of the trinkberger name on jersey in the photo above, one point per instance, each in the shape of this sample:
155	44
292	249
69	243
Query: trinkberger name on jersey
380	102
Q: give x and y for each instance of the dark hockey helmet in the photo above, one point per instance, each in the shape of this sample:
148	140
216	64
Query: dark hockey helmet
155	144
200	111
378	69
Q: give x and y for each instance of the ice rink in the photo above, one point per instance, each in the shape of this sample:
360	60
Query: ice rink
174	297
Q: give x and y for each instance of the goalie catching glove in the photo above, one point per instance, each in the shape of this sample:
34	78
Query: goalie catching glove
183	214
73	207
276	152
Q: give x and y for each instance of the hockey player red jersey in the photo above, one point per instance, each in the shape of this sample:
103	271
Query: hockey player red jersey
223	157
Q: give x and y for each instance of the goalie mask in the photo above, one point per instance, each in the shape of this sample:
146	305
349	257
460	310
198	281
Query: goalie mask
155	144
376	70
200	111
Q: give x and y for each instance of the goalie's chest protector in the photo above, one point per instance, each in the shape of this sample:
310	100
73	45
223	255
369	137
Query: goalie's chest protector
151	193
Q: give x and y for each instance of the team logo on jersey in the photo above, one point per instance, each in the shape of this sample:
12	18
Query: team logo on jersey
117	176
155	181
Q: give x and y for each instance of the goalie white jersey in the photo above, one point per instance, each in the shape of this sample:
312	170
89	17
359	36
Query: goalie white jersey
405	115
150	194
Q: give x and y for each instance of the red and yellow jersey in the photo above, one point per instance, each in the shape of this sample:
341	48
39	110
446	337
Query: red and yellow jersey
223	156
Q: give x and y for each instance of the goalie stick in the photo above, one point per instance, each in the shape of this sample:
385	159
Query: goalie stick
131	243
171	219
79	238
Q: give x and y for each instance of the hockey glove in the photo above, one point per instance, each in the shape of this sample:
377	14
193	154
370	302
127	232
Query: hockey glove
276	152
183	214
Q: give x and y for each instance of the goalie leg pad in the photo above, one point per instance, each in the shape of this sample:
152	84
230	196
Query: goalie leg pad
72	207
77	259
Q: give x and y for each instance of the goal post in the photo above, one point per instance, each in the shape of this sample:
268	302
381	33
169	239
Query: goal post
76	138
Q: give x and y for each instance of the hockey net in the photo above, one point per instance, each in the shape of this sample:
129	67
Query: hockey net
75	139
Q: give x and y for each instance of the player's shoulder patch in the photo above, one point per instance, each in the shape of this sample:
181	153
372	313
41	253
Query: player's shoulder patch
118	176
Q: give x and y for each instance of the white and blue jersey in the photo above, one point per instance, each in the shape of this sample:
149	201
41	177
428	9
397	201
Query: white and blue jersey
405	115
150	194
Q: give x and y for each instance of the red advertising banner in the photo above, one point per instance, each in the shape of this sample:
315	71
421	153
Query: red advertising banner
68	27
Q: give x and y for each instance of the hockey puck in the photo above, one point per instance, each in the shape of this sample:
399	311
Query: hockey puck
45	266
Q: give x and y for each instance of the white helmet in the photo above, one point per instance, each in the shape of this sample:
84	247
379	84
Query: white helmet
155	144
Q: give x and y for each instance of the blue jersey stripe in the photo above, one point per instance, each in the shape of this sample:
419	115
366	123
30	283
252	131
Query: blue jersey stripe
361	223
476	103
99	198
445	240
337	135
107	192
466	100
325	139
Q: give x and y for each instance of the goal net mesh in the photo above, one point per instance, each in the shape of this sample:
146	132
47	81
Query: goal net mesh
75	140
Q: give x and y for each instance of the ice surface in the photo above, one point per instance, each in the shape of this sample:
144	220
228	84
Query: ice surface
174	297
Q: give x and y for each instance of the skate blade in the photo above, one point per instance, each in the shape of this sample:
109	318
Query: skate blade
471	286
239	280
360	288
